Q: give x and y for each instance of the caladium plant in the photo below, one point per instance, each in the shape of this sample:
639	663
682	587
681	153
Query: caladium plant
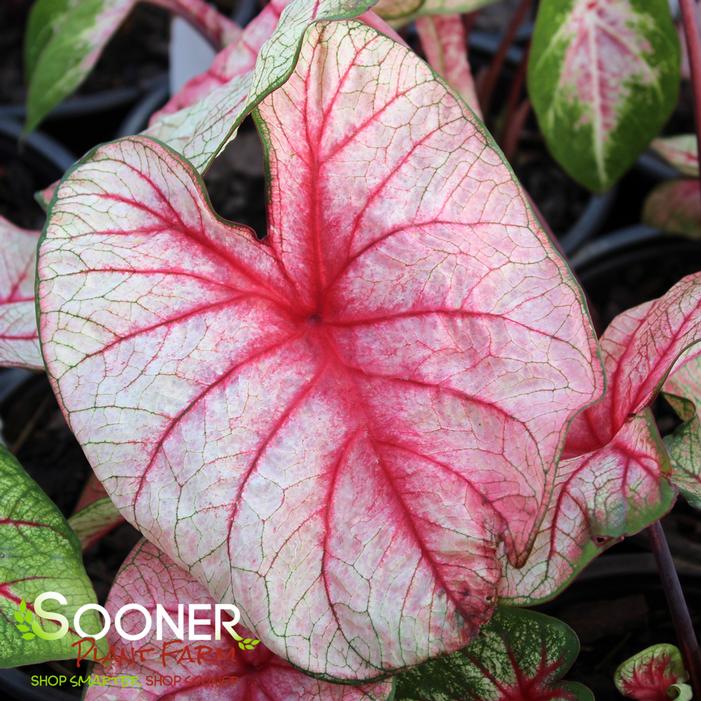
19	339
235	670
256	408
654	674
519	655
65	39
603	78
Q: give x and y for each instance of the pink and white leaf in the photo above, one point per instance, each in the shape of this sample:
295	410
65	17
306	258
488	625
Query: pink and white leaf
683	391
374	397
681	152
654	674
400	12
19	339
675	207
444	42
225	673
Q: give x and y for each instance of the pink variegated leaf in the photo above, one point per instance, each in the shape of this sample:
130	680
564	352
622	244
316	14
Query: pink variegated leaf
675	207
19	339
94	515
230	670
681	152
654	674
444	42
603	77
683	391
65	39
336	400
614	481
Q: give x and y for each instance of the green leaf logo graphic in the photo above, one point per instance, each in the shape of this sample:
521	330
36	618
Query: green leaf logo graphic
248	643
23	621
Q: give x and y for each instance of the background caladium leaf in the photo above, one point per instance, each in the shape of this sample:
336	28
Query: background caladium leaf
603	77
519	654
683	391
615	480
19	339
261	408
681	152
148	577
38	553
403	11
444	42
201	131
65	39
675	207
94	521
654	674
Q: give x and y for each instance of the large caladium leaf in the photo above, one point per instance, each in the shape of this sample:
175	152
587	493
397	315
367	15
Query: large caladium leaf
519	655
231	671
335	401
65	39
654	674
614	481
403	11
19	339
200	131
683	391
38	553
444	42
675	207
603	77
681	152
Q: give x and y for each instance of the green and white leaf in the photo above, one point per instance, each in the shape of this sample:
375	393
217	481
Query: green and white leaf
519	654
603	77
683	391
200	132
681	152
96	519
400	12
38	553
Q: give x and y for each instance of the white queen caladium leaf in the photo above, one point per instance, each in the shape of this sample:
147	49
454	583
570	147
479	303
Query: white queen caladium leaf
38	553
654	674
519	655
19	339
603	76
683	391
228	670
614	481
65	39
344	423
201	131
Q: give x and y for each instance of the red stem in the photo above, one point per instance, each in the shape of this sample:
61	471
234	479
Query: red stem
693	45
683	626
514	95
492	76
514	128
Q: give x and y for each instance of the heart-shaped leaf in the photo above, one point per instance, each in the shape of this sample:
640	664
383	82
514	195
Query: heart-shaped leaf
681	152
333	402
654	674
38	553
230	670
201	131
19	340
403	11
683	391
603	77
615	480
65	39
519	655
675	207
444	42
